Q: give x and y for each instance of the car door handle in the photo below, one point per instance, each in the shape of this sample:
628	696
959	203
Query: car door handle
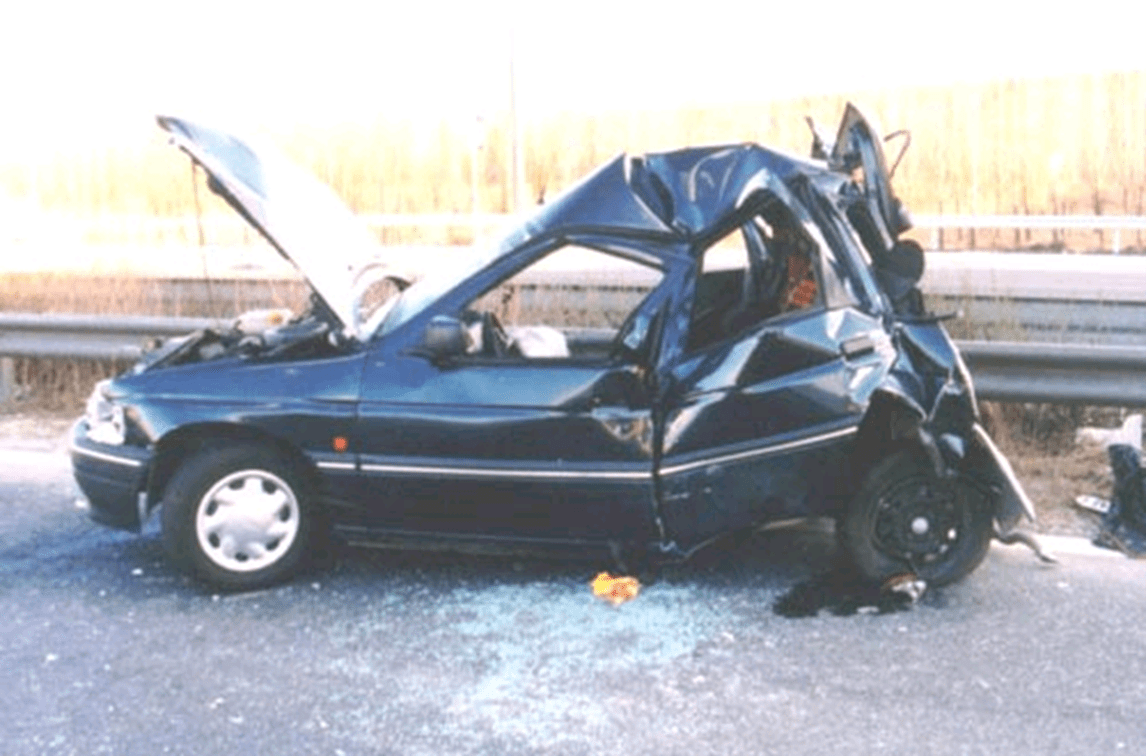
857	345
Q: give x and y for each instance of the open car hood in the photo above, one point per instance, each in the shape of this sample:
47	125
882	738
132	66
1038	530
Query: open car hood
858	145
301	218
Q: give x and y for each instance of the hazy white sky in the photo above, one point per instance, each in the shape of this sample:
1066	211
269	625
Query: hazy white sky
77	71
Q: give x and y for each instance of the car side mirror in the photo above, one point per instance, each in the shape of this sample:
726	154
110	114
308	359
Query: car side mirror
444	337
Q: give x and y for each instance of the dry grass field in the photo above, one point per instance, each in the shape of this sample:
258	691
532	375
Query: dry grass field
61	386
1068	144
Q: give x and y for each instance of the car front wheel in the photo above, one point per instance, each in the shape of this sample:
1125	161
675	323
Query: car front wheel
907	519
237	517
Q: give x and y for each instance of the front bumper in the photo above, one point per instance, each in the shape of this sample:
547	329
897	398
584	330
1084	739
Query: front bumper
112	479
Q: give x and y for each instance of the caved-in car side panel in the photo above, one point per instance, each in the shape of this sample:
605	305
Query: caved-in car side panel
751	423
513	450
762	427
796	476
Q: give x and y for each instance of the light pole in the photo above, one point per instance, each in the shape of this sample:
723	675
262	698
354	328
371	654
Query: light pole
476	145
516	162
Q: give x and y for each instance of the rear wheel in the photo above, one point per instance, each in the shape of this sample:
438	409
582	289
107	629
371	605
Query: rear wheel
238	517
906	518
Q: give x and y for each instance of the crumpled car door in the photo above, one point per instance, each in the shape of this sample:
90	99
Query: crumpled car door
859	147
760	429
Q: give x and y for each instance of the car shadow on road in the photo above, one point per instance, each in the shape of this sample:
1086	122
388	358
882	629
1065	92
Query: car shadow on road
797	562
770	555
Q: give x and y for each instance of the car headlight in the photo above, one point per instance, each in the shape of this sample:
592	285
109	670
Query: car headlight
104	418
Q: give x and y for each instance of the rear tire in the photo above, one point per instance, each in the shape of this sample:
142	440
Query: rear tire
237	517
906	518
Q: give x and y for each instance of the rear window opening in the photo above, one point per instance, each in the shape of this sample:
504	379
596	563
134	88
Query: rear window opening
765	268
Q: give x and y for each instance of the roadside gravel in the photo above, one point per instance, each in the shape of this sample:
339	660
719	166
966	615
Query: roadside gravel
33	431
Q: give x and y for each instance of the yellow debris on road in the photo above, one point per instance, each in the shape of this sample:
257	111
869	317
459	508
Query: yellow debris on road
616	589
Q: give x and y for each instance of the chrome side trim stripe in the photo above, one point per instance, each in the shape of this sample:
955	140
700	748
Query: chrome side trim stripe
125	461
336	465
761	452
485	472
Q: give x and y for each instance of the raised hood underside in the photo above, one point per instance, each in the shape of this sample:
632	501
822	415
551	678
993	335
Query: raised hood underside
304	220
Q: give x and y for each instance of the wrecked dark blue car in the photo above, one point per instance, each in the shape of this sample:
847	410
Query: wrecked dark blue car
682	346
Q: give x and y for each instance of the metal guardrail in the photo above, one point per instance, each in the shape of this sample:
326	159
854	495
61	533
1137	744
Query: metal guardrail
1085	299
1002	371
1115	223
1059	373
92	337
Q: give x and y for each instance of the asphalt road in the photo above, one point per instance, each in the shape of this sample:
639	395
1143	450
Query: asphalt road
103	649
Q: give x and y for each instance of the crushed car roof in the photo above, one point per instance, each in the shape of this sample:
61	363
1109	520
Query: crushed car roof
683	193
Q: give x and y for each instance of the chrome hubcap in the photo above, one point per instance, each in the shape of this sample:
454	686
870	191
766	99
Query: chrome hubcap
247	520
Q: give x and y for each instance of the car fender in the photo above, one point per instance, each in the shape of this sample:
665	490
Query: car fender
895	417
1012	502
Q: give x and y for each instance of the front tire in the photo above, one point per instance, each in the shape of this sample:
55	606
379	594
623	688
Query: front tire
237	517
906	518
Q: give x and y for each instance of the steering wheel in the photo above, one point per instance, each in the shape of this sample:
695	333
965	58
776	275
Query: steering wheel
494	339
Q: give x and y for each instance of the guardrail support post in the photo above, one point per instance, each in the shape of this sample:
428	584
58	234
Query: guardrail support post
7	379
1117	243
